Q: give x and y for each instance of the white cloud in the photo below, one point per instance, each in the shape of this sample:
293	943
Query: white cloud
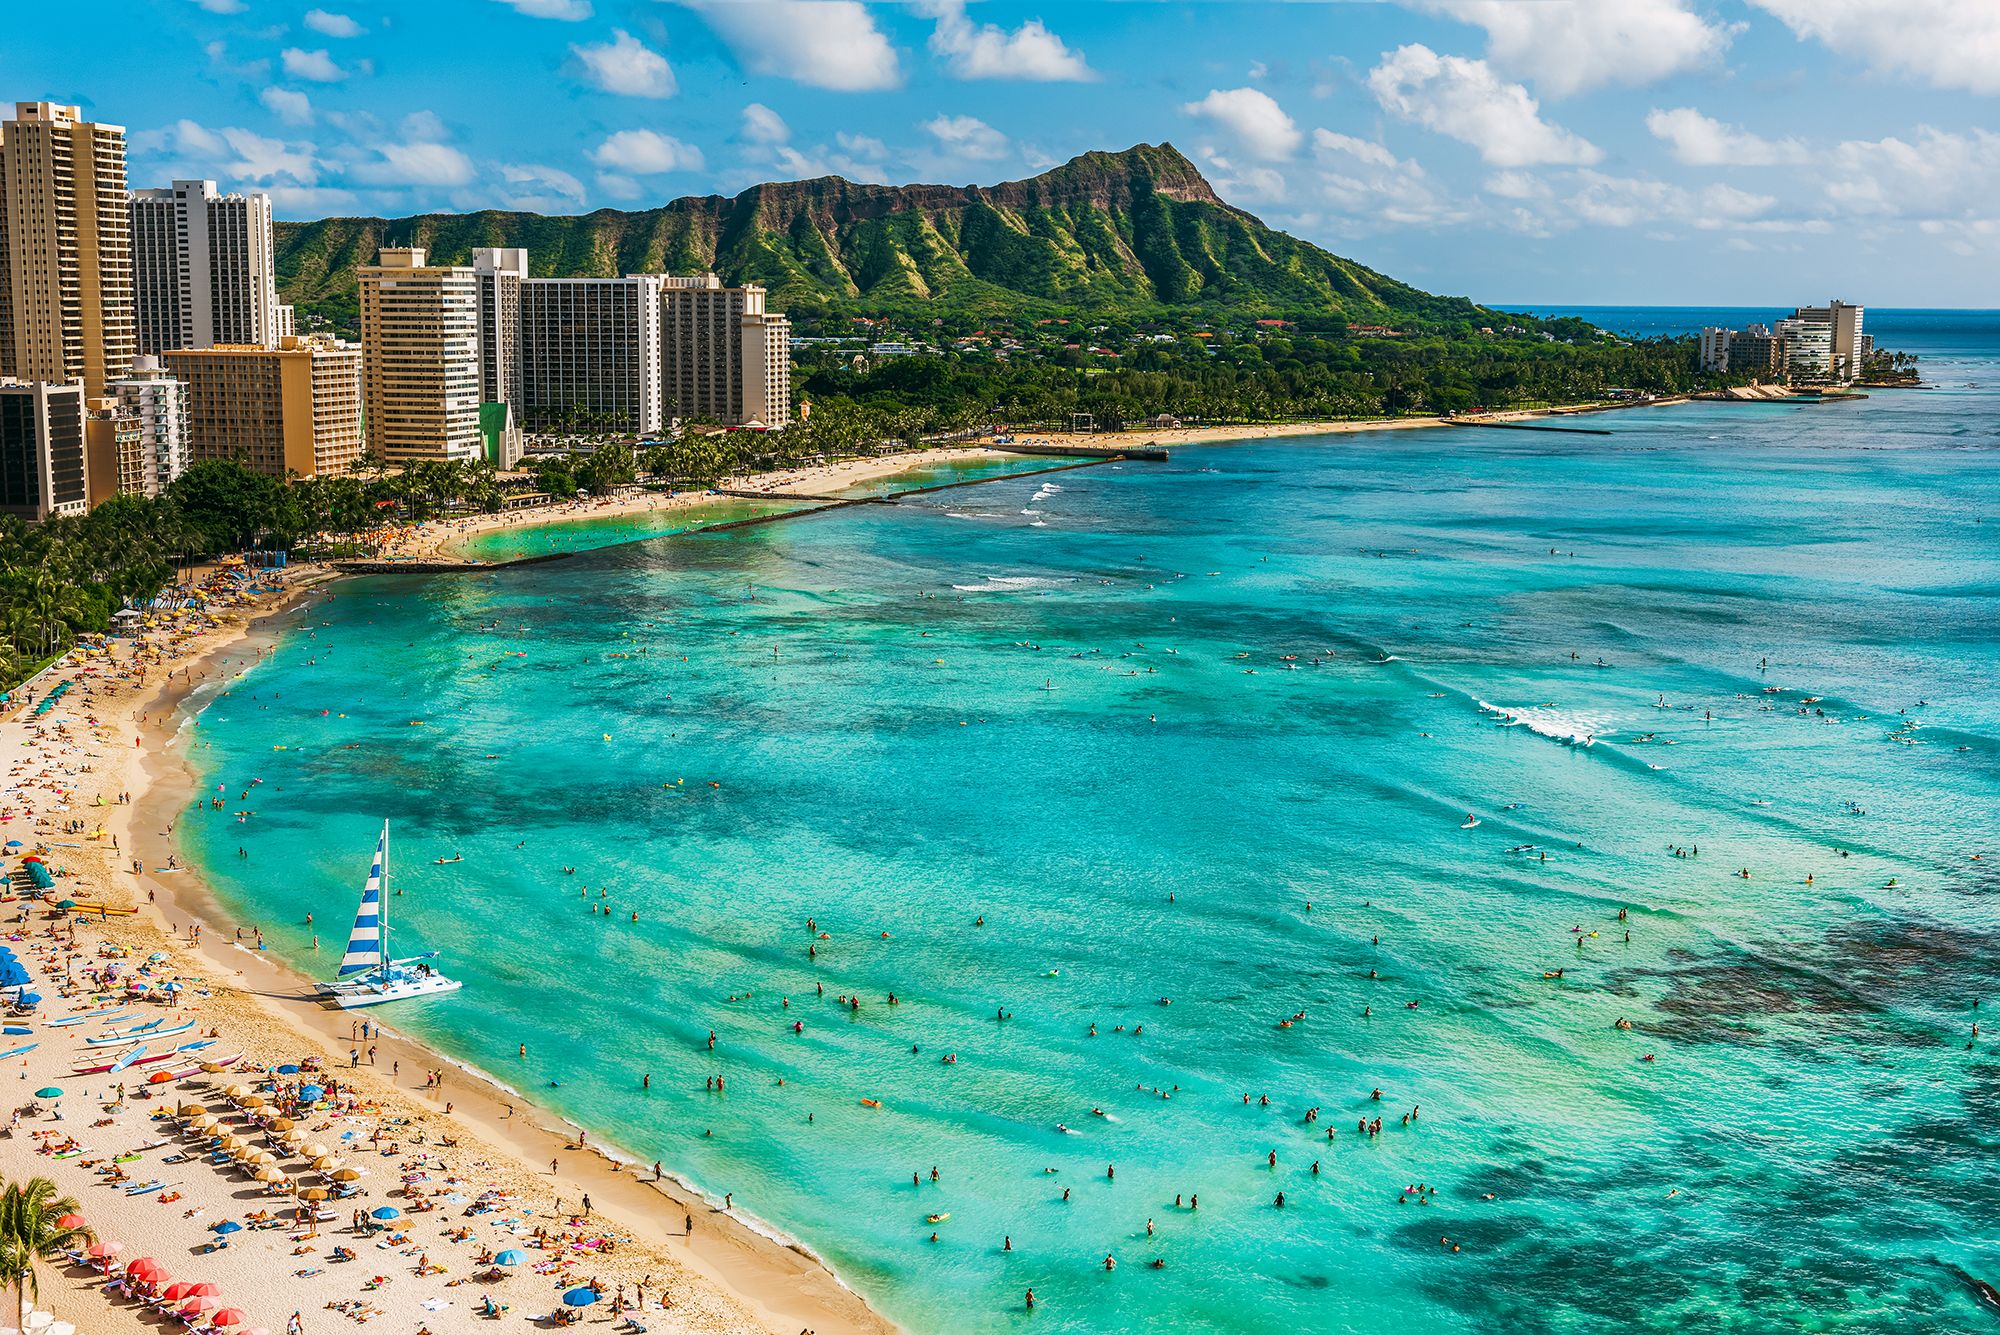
1464	99
618	187
231	154
1373	187
1934	175
535	188
1362	150
288	105
569	11
311	201
627	66
221	6
1256	121
250	71
988	51
1517	185
426	126
761	125
967	137
861	145
332	25
318	66
826	43
1248	182
414	164
1947	43
645	152
1702	141
1567	46
1630	201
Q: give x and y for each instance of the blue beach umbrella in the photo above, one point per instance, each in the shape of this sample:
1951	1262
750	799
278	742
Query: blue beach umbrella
229	1226
311	1093
385	1212
580	1297
509	1257
288	1069
31	998
15	843
50	1092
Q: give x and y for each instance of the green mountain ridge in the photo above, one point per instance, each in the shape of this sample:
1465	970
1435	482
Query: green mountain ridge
1135	231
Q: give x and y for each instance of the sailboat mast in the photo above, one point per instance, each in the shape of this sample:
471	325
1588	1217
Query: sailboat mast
382	910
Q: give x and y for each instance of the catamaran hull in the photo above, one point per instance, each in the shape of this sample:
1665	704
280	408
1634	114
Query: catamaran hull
353	996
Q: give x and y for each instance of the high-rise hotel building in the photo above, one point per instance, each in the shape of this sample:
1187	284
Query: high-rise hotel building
727	357
42	449
570	356
420	358
65	249
202	268
292	409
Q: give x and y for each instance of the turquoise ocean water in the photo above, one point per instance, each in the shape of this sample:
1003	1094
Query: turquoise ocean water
1137	718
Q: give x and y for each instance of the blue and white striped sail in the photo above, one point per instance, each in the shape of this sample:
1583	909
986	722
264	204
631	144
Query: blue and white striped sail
364	944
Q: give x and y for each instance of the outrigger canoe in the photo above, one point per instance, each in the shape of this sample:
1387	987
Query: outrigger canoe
137	1035
186	1049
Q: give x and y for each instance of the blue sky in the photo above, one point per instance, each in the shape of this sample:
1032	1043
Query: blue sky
1646	151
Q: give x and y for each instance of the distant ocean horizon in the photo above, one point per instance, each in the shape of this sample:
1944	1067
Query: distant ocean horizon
1267	792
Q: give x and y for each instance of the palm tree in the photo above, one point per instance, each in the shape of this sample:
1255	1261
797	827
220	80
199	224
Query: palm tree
29	1233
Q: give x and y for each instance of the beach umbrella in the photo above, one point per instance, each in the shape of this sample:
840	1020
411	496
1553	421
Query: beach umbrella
270	1176
260	1157
346	1175
252	1100
236	1091
203	1289
104	1251
191	1110
70	1221
225	1227
281	1124
311	1093
146	1270
205	1122
211	1068
312	1151
160	1077
230	1316
48	1092
288	1069
314	1193
509	1257
385	1212
232	1142
580	1297
15	843
177	1291
325	1162
196	1306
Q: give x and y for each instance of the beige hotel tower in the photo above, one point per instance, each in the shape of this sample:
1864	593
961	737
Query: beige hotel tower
420	362
65	249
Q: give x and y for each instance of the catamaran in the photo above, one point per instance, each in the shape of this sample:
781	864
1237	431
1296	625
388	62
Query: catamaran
368	976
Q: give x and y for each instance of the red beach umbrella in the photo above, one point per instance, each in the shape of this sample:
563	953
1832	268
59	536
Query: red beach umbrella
70	1221
177	1291
196	1306
230	1316
146	1270
203	1290
105	1250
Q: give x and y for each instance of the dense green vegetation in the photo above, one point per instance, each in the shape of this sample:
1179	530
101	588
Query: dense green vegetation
1290	373
1137	231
